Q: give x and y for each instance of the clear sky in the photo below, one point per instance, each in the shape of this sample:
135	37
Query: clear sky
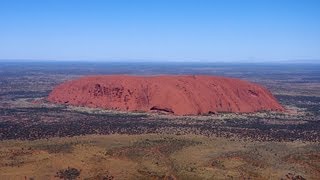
170	30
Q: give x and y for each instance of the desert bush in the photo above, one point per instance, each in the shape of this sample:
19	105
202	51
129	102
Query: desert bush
68	174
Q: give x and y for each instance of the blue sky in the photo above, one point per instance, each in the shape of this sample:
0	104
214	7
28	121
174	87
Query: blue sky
169	30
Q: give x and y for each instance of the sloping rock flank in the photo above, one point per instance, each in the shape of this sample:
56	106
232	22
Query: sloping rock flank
179	95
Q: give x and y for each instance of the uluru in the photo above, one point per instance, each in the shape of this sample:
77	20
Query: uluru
175	94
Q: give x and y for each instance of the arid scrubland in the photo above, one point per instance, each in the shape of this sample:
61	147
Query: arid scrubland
42	140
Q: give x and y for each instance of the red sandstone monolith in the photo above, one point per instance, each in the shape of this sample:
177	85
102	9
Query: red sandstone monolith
179	95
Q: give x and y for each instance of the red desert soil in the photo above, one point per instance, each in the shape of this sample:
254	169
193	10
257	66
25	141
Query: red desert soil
180	95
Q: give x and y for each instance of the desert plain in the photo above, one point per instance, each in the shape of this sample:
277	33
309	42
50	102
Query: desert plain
44	140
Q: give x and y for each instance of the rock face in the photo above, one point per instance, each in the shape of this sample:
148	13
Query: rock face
179	95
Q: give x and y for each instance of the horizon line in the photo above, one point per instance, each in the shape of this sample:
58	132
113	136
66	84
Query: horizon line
248	61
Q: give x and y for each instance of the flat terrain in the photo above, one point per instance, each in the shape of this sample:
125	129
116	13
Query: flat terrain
41	140
158	157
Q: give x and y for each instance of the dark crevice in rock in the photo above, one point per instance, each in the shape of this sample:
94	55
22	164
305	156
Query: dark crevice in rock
162	109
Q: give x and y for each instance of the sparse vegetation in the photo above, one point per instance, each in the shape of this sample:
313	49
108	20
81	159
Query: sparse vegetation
68	174
160	156
38	139
55	148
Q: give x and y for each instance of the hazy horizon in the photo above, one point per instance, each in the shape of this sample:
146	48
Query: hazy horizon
293	61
